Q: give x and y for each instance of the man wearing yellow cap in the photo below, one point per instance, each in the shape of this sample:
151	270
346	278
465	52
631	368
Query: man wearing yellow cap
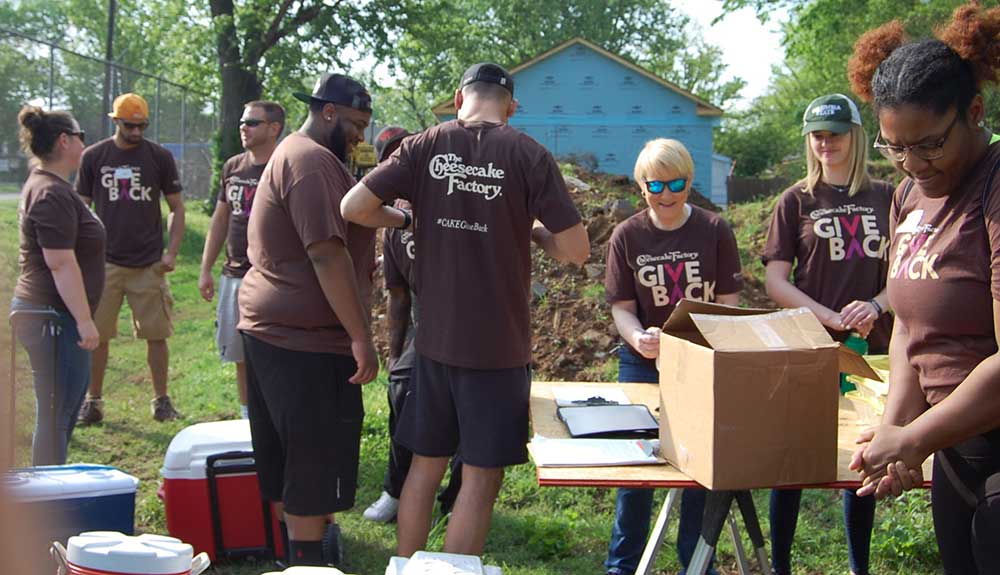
124	177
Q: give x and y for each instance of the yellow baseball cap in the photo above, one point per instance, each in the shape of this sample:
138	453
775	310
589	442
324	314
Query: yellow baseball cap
130	107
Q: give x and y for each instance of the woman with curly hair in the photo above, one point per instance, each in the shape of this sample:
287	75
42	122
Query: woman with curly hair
944	278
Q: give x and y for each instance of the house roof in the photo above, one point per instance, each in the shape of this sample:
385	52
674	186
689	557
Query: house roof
704	107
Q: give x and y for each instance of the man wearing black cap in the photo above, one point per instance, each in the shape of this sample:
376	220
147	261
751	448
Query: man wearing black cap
304	308
398	255
477	187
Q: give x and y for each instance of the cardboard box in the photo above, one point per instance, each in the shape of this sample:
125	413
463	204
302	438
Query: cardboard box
749	397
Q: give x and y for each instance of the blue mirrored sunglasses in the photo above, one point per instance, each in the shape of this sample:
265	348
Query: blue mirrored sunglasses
657	186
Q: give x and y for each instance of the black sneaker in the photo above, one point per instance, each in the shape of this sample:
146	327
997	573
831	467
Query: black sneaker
91	412
163	409
333	545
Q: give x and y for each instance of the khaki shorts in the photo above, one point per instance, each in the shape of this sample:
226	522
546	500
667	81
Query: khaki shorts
149	298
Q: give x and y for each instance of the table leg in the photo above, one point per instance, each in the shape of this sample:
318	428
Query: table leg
752	524
656	536
717	505
741	555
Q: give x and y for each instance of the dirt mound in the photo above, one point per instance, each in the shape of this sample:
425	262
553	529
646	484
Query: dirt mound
574	337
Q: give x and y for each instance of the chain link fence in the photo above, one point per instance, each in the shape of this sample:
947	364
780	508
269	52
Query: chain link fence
42	73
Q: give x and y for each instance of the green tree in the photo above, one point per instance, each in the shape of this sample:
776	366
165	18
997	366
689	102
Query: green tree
447	35
819	39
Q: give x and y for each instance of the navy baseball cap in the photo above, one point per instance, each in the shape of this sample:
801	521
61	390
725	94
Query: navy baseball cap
489	73
338	89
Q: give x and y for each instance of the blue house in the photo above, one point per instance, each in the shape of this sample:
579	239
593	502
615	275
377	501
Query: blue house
580	100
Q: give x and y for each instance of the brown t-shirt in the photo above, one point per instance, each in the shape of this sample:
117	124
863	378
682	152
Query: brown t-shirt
125	187
298	204
53	217
398	253
657	268
476	189
944	273
240	177
838	245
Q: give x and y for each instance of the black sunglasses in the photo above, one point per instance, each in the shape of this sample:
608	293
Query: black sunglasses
133	126
253	123
81	134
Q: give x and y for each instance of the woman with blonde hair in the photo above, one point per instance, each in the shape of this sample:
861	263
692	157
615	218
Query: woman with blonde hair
834	227
669	251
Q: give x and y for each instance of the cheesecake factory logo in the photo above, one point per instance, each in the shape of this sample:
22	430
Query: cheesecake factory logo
911	257
406	238
124	183
673	276
240	193
464	178
851	232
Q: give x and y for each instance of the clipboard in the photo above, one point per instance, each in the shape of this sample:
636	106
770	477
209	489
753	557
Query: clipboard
613	421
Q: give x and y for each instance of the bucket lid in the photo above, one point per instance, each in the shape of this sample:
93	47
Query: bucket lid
54	482
119	553
185	457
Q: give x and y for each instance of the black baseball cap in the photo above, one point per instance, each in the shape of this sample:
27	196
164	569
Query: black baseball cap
489	73
386	137
831	113
338	89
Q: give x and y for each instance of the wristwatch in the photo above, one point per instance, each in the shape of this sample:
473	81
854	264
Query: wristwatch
407	219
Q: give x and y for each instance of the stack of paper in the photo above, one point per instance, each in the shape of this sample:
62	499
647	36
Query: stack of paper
548	452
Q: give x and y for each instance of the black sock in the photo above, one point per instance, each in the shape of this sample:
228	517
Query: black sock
305	553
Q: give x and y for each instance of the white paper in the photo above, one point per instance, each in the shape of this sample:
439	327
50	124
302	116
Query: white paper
566	395
593	452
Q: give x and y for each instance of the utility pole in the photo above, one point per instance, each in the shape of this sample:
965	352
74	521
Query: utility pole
108	56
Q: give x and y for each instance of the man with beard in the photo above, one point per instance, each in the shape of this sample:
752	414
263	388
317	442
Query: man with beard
481	192
124	177
260	127
304	309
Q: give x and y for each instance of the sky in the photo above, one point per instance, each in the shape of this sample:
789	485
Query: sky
749	48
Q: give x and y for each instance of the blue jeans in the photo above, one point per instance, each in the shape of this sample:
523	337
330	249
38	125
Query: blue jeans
634	507
59	391
859	517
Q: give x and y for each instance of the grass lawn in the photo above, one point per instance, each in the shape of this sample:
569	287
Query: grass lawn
535	531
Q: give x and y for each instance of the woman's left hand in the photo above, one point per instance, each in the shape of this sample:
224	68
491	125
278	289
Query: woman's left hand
859	316
881	447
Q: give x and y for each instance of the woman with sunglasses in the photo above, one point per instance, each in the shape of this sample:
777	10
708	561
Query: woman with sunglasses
669	251
833	227
60	281
944	278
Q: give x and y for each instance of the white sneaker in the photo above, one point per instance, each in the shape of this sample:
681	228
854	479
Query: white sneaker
384	510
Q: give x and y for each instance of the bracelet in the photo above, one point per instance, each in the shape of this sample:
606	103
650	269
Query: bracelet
407	219
878	308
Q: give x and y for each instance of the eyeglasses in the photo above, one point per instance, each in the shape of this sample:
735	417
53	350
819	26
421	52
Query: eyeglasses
898	154
252	122
676	185
81	134
133	126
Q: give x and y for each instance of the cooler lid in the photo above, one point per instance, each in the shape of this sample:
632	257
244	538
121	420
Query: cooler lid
118	553
55	482
185	458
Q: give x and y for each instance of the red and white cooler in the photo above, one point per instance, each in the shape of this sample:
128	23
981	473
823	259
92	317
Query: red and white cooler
112	553
211	494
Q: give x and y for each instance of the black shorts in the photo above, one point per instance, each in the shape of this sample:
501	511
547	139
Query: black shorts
305	419
480	414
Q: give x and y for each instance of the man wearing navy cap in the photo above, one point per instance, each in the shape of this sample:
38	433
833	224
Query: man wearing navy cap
481	191
304	318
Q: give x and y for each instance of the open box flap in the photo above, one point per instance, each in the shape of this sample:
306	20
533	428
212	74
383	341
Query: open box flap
680	324
786	329
852	362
